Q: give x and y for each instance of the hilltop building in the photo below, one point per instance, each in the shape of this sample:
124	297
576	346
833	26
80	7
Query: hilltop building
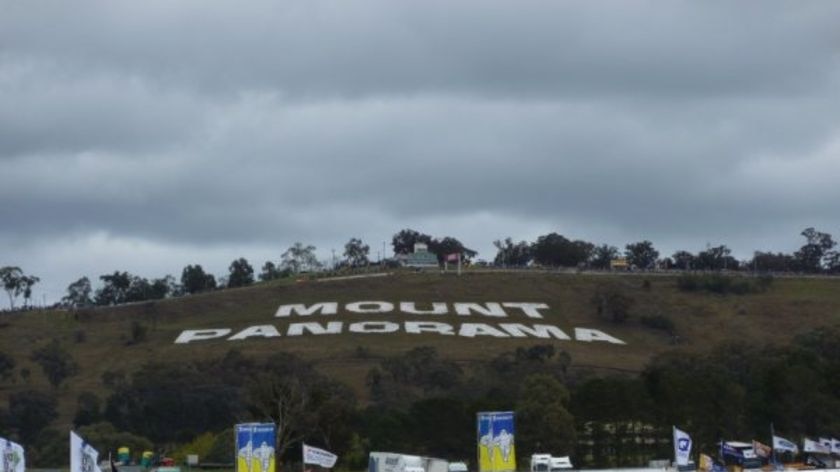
421	258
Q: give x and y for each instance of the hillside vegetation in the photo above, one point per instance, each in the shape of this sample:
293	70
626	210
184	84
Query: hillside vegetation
651	314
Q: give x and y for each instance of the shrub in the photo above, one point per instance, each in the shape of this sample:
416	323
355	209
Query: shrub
660	322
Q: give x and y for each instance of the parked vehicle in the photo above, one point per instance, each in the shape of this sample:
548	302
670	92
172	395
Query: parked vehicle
394	462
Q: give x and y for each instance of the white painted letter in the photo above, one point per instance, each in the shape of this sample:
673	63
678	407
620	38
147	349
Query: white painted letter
296	329
538	331
493	309
263	331
200	335
329	308
411	308
530	309
471	330
374	327
419	327
588	335
370	307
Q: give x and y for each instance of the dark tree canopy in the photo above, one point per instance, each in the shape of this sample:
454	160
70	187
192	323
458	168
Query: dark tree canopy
641	254
195	280
56	362
403	242
510	254
241	273
356	253
603	255
78	294
556	250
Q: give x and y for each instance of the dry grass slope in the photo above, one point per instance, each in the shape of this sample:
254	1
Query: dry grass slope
702	320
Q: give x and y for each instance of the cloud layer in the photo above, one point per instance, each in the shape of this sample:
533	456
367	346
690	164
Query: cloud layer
147	136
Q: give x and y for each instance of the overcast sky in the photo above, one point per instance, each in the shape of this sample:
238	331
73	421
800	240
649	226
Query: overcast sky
145	136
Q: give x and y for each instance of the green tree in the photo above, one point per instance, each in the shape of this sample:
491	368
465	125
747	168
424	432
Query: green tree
78	294
641	254
16	283
300	258
684	260
611	303
449	245
88	409
56	362
29	412
403	242
811	256
772	262
556	250
301	402
241	273
195	280
716	258
270	272
356	253
603	255
115	288
512	254
542	411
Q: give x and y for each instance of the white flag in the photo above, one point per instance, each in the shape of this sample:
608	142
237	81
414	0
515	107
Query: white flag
783	445
11	456
313	455
682	446
83	457
835	446
809	445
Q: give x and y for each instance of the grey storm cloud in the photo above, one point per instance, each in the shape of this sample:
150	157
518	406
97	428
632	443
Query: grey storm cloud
150	134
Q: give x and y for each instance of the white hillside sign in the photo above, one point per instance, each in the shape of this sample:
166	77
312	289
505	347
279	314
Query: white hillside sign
427	318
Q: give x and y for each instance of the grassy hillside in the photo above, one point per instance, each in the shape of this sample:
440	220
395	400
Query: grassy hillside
100	339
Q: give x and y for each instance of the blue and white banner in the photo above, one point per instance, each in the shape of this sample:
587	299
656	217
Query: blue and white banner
682	447
496	447
12	458
809	445
255	447
320	457
783	445
83	457
835	446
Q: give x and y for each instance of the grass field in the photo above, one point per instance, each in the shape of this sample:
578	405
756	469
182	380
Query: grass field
99	339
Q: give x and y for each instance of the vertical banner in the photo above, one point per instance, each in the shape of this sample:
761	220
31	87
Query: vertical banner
496	451
11	456
255	447
682	447
83	457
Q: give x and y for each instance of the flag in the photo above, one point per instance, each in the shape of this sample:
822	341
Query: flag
809	445
835	446
761	450
826	442
313	455
496	441
255	447
12	458
452	257
83	457
682	446
783	445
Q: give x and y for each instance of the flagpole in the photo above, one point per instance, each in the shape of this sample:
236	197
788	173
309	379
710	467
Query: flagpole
773	443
